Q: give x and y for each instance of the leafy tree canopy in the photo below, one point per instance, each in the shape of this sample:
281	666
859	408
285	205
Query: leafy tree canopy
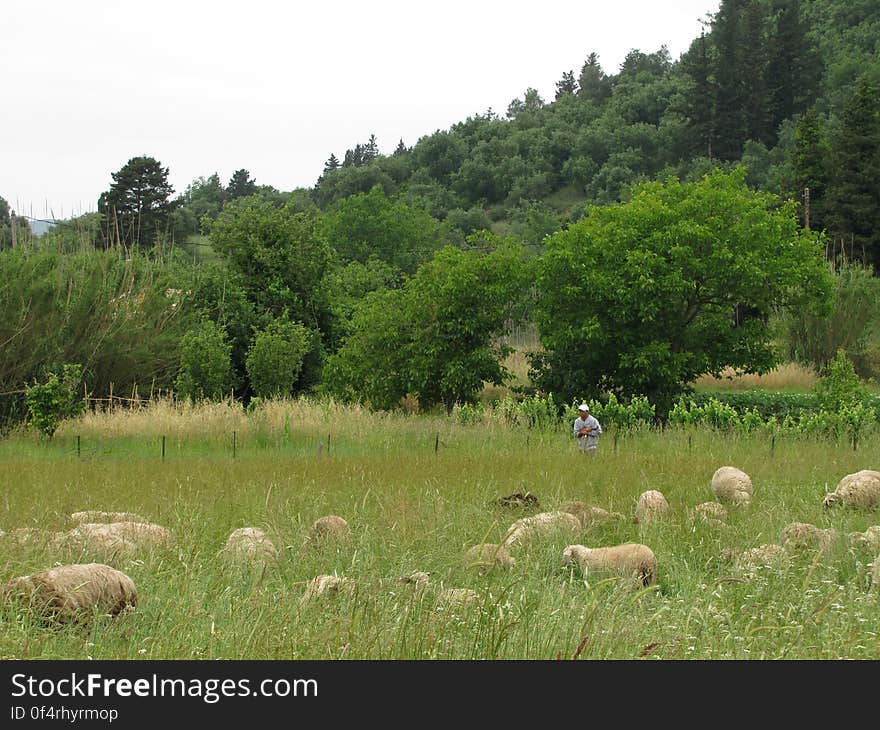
640	298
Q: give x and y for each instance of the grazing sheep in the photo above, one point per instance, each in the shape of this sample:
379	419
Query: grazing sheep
249	545
98	516
518	500
417	578
861	489
753	559
712	513
589	515
543	523
118	539
870	538
488	556
330	585
732	485
329	527
652	505
798	535
452	598
631	560
72	591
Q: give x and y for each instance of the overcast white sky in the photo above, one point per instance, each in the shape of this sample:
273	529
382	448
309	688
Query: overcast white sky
276	87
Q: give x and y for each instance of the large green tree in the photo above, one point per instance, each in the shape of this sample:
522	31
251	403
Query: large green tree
436	337
137	206
640	298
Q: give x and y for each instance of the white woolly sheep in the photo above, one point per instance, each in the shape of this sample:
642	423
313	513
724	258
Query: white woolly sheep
249	545
99	516
117	539
329	585
756	558
73	591
870	538
860	489
712	513
652	505
418	578
631	560
732	485
488	556
589	515
329	527
452	598
541	524
799	535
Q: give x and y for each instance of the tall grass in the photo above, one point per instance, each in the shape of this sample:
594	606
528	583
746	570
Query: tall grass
413	508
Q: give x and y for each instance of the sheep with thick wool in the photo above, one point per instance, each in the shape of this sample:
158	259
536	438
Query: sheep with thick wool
800	535
589	515
870	538
632	560
652	505
327	585
101	516
487	556
712	513
117	539
74	591
249	545
328	528
732	486
540	525
860	489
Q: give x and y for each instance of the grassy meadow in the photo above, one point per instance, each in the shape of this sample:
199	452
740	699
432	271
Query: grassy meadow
417	492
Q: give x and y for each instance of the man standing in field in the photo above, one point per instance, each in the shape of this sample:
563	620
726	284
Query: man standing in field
587	429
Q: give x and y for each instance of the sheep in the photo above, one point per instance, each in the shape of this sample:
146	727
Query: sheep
326	528
732	485
875	573
72	591
589	515
712	513
452	598
330	585
652	505
543	523
488	556
870	538
518	500
631	560
98	516
798	535
249	545
118	539
861	489
417	578
753	559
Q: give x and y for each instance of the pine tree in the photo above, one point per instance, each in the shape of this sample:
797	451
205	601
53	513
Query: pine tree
137	206
566	85
809	167
240	185
593	83
854	195
731	97
794	68
753	64
331	164
371	150
699	103
400	149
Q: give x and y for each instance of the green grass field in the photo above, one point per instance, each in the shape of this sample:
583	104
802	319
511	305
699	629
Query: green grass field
411	508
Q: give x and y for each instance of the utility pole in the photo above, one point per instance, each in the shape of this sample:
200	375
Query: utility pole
807	208
12	221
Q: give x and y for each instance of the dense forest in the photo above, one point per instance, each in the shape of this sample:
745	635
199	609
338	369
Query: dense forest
213	291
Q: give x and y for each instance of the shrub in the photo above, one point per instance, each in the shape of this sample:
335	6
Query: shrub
55	399
205	363
275	357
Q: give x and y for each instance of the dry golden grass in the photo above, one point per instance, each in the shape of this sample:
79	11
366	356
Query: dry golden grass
788	376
